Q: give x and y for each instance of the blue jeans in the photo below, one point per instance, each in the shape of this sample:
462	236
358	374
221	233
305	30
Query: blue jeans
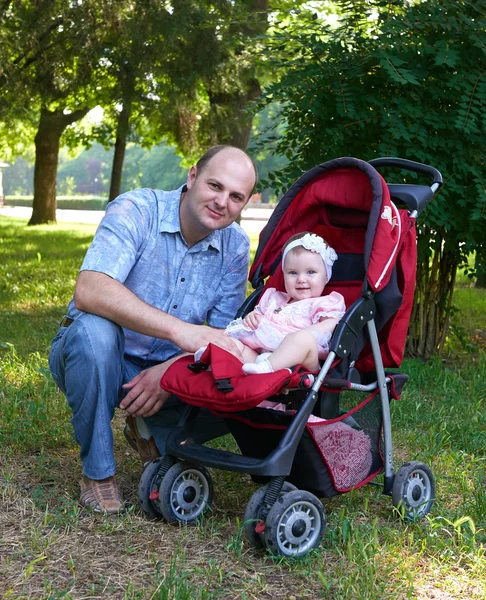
88	363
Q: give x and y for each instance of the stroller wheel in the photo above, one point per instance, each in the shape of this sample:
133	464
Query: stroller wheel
413	490
252	513
295	524
185	493
148	485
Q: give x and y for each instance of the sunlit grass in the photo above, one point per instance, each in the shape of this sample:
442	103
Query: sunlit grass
50	548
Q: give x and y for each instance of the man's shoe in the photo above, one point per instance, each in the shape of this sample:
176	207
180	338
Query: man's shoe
103	495
144	444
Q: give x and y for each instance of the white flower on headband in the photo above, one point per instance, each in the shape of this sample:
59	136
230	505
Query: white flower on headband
314	243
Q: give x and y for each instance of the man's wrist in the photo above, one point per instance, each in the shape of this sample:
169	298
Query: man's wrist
172	329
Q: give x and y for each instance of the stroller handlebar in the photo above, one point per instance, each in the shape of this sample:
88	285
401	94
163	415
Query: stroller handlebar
415	196
409	165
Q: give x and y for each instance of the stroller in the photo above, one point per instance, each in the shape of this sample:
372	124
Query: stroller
324	442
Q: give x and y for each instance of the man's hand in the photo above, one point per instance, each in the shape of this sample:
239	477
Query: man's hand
146	397
253	319
193	337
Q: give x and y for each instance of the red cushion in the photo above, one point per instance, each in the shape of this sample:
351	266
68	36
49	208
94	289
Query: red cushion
200	389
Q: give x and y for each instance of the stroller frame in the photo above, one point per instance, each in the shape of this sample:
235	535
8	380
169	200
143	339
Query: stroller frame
157	483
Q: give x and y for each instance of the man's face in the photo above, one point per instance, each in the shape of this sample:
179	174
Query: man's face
216	196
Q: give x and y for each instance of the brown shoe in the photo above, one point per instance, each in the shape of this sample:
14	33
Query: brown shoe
147	448
103	496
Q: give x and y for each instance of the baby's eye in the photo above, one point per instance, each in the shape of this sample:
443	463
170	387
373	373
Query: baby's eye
292	273
310	272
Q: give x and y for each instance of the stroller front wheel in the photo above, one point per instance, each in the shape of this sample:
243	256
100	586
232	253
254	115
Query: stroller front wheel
295	524
148	485
185	493
413	490
252	513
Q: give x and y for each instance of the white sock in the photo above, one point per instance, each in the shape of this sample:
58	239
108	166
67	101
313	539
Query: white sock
263	366
262	357
199	353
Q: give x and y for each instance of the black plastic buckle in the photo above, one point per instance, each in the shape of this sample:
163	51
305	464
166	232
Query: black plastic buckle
224	385
197	367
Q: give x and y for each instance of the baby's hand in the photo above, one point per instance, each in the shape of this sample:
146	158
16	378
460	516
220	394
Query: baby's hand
252	320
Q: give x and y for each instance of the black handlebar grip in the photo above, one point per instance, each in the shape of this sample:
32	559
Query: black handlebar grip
409	165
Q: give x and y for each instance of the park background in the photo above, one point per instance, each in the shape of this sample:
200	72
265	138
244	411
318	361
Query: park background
97	97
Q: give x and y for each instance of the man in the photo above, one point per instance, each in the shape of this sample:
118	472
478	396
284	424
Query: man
161	264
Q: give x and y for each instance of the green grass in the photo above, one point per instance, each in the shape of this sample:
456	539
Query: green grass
51	548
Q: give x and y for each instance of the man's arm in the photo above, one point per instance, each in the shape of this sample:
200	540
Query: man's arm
99	294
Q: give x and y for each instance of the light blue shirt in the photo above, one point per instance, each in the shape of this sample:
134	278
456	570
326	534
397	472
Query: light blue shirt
139	243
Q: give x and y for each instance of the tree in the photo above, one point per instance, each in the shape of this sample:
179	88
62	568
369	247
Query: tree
163	65
53	52
235	83
134	51
403	80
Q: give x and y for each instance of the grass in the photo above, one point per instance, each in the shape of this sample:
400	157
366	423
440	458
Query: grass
51	548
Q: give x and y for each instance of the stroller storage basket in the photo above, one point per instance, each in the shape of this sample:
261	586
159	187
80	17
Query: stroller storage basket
333	455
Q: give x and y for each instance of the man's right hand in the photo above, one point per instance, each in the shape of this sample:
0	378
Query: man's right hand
193	337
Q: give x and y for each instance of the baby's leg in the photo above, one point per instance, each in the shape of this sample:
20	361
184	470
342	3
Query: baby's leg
299	348
241	351
246	354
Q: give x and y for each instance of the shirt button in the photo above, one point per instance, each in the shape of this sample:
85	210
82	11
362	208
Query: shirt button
175	306
183	278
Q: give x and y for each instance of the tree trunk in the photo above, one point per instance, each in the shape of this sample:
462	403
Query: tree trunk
430	318
481	281
481	268
47	140
231	120
120	147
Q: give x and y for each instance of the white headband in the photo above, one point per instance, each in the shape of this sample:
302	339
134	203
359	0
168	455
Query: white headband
314	243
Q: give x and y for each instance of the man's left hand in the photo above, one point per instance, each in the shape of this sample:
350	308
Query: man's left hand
146	397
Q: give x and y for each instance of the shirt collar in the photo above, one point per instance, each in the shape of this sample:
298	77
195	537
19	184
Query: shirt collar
170	221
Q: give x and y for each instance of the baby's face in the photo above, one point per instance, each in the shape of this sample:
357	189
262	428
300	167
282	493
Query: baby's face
305	275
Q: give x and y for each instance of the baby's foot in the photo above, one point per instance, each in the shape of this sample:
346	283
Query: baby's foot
199	353
264	356
256	368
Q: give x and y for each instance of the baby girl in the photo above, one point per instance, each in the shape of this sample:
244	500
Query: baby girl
293	327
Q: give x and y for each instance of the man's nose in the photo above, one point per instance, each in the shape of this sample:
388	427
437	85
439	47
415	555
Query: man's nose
221	199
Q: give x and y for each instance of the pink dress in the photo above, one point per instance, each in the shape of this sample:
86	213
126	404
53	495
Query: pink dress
281	318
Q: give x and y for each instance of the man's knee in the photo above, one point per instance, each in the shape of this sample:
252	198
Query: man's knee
89	340
95	336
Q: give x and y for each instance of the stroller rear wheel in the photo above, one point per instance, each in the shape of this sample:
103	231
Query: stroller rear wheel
413	490
185	493
295	524
252	513
148	485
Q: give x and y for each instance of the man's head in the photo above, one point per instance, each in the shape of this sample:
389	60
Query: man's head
218	188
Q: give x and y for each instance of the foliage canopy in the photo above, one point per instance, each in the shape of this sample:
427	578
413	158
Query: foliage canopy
405	80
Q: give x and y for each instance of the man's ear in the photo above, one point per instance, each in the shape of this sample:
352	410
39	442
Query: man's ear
191	176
